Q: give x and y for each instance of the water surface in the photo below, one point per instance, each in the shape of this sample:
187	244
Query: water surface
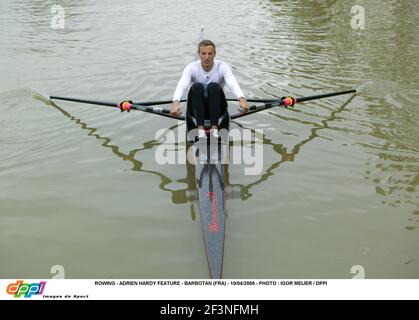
79	184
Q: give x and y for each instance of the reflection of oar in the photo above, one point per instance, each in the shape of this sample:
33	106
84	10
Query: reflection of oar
287	102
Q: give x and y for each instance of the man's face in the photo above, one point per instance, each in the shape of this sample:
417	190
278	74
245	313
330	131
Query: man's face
207	55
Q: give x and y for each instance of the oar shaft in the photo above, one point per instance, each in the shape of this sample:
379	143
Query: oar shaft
256	100
326	95
111	104
99	103
141	106
159	111
252	110
277	103
156	103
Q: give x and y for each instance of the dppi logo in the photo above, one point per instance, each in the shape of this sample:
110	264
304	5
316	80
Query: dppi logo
26	290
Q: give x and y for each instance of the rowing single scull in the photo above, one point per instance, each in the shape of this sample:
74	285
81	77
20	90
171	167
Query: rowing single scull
209	161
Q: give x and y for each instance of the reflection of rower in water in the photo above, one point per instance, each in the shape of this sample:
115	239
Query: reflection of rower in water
206	78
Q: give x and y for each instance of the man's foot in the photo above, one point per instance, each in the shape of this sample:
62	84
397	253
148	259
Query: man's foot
214	134
202	135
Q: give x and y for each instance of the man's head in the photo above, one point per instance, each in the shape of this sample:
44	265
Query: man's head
206	51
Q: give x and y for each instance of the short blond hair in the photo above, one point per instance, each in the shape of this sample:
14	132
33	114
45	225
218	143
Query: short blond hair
205	43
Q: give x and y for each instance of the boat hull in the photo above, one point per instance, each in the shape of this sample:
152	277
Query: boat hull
210	178
210	182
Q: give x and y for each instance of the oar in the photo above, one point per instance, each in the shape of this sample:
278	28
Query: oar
112	104
256	100
145	103
146	106
159	111
288	101
140	106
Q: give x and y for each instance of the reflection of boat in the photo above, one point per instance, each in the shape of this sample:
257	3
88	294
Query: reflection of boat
210	177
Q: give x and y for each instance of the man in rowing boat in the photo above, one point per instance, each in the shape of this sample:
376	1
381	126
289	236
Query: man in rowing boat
205	79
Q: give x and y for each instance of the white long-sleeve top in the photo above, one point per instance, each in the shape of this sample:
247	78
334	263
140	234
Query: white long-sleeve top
194	73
